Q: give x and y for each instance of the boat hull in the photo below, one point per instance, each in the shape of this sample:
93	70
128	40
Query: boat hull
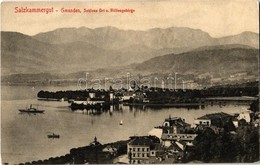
53	136
28	111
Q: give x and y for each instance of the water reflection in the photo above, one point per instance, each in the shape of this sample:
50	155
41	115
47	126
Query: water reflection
23	136
30	114
120	108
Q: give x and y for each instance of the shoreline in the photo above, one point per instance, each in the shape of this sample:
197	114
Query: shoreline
87	154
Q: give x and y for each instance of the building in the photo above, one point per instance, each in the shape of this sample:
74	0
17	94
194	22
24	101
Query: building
187	138
176	150
157	151
214	119
88	102
111	150
139	148
235	122
92	95
246	115
175	125
136	96
176	129
216	80
127	96
95	142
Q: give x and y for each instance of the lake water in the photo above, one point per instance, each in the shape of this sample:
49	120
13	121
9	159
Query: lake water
24	137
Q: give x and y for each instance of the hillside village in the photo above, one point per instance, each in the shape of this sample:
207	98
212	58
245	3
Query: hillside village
179	141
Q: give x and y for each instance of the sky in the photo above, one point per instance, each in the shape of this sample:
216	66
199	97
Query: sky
217	17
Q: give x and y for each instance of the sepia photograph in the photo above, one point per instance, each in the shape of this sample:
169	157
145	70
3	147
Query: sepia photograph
129	82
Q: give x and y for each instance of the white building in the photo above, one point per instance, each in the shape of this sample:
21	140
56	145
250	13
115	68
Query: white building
245	115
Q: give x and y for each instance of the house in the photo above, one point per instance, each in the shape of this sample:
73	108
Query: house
175	129
140	96
214	119
256	123
111	96
181	145
246	115
110	149
175	125
235	122
88	102
176	150
139	147
127	96
187	138
158	150
92	95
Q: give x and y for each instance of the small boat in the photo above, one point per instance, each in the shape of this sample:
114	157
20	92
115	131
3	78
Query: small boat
121	122
53	135
31	110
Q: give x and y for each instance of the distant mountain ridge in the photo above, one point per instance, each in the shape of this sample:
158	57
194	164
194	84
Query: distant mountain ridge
70	50
156	38
229	46
216	62
244	38
113	38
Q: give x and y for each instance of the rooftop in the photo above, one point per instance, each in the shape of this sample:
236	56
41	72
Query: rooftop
188	137
213	116
181	142
174	146
143	140
177	121
172	118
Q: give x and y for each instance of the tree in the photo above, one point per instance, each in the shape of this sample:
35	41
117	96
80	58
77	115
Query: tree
203	145
254	106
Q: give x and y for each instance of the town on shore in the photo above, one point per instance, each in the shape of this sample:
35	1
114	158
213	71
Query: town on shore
151	96
212	138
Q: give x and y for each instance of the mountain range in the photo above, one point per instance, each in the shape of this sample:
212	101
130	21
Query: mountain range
217	62
69	50
156	38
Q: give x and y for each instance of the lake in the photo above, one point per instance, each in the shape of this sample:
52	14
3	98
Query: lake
24	136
